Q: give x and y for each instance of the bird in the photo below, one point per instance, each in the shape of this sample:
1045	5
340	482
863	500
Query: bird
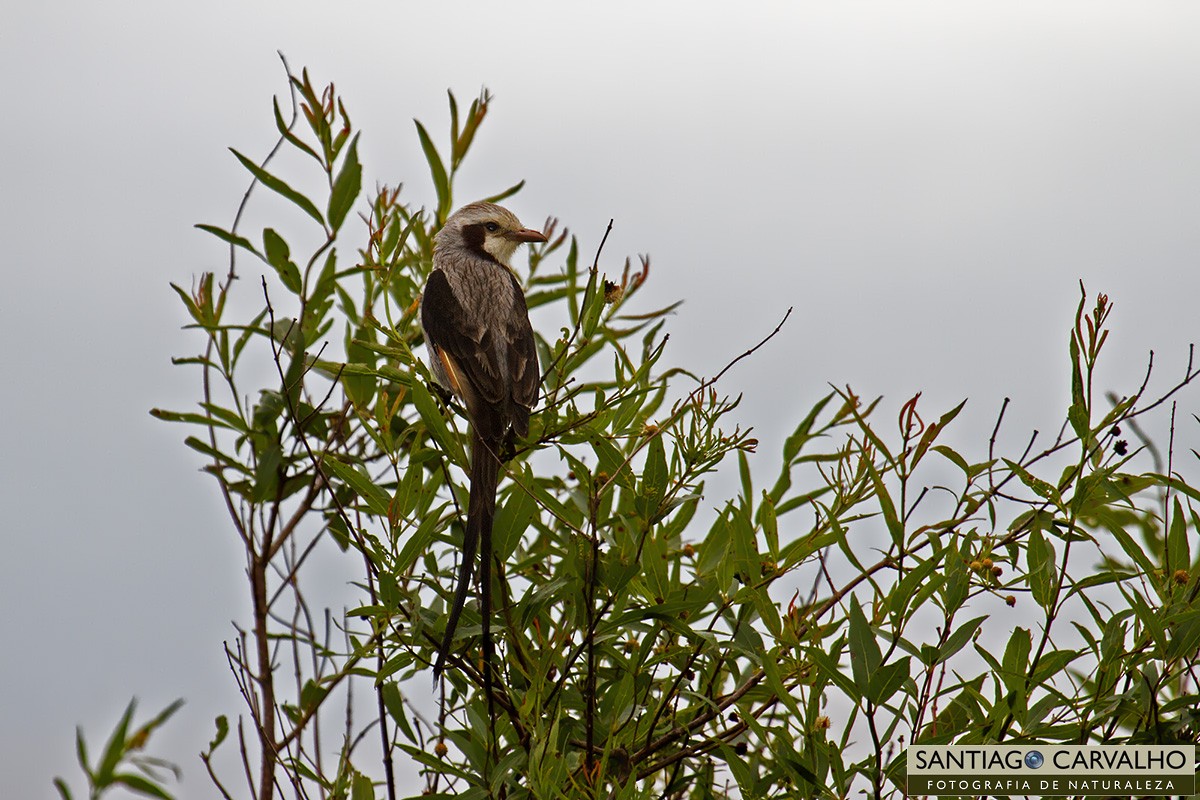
481	349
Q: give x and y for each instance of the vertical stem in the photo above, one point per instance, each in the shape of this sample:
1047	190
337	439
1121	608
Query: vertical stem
590	694
266	676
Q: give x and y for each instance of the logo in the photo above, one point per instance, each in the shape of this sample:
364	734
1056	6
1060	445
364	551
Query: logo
1079	770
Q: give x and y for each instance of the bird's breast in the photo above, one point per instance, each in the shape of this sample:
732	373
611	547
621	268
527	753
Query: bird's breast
483	289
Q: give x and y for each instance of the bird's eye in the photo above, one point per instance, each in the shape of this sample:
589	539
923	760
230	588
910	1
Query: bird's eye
492	227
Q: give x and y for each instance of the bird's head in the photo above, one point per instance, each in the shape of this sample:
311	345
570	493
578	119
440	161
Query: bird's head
488	230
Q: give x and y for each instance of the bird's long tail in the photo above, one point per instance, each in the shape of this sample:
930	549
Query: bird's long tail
481	510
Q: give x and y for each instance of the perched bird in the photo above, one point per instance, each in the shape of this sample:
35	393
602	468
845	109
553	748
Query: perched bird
481	349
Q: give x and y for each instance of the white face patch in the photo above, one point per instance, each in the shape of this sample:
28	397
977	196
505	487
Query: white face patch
500	247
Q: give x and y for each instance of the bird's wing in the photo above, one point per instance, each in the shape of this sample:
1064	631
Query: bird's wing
468	347
522	363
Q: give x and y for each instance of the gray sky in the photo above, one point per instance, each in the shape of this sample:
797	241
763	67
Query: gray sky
925	182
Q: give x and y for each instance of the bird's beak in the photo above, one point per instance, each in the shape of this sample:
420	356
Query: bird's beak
526	235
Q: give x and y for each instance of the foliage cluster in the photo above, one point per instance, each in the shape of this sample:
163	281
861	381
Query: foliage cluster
646	650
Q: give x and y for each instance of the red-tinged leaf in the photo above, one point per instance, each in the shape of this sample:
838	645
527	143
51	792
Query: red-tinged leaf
475	116
934	430
286	133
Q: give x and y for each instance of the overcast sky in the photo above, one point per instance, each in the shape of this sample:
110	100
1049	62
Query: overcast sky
926	183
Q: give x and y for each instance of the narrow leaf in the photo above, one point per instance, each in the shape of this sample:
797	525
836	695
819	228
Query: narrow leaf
231	238
280	187
346	187
376	499
437	171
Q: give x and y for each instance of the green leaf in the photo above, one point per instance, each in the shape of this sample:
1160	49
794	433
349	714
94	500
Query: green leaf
362	788
141	785
346	187
360	388
803	432
279	187
957	640
654	568
437	171
475	116
654	480
887	680
890	517
268	471
774	678
435	420
63	791
1042	569
768	612
507	193
1038	486
1077	414
832	670
231	238
222	723
934	430
115	748
770	524
953	456
285	131
514	514
279	257
1016	659
744	473
377	499
1184	636
963	711
712	554
865	656
81	754
311	695
1052	664
1178	551
957	584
